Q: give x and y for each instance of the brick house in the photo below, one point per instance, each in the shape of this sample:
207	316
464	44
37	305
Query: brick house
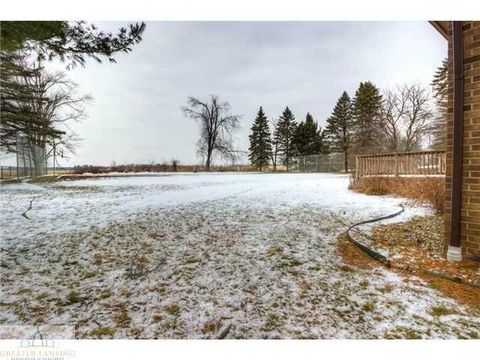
462	202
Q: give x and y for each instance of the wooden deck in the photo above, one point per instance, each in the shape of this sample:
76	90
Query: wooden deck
398	164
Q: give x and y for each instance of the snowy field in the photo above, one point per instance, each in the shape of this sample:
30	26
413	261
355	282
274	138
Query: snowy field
184	255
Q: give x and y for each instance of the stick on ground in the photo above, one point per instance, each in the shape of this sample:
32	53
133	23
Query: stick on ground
223	334
24	214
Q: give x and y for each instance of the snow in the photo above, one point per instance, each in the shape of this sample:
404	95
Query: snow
254	250
74	205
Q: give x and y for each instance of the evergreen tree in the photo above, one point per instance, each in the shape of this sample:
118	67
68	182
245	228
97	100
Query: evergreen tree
367	137
260	141
67	40
339	127
440	93
308	139
284	133
275	150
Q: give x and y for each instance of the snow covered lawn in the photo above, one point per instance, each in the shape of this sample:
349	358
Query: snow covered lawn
184	255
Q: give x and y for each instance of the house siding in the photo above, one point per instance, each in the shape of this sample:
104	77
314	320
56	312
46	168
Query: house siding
470	214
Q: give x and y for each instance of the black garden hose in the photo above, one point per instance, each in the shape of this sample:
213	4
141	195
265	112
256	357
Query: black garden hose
370	252
377	256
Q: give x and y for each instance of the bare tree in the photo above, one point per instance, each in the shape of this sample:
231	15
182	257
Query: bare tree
217	126
418	115
406	117
392	111
60	104
16	96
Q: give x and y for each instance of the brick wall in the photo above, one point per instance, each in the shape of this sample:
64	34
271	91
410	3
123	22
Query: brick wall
470	223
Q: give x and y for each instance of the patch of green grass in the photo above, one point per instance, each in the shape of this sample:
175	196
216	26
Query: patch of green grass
126	293
411	334
102	332
39	320
364	284
105	294
272	321
89	274
402	332
135	332
68	263
173	309
21	312
122	319
441	311
433	286
210	327
72	298
295	262
369	306
42	296
473	335
24	291
386	289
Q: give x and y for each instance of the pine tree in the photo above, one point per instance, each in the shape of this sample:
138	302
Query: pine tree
67	40
308	139
367	104
275	149
440	93
284	133
260	141
339	127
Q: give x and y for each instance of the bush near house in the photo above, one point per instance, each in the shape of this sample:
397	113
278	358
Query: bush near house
425	190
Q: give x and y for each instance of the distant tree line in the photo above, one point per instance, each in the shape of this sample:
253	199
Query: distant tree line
403	119
172	166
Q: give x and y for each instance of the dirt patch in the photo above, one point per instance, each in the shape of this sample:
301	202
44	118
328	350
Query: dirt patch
462	293
417	245
416	248
352	255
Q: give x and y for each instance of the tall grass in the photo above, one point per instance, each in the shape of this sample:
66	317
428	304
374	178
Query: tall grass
423	190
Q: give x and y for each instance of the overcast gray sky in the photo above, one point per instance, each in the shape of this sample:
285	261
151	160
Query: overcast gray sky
136	116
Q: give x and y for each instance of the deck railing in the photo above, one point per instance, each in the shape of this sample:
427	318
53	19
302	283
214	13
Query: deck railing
397	164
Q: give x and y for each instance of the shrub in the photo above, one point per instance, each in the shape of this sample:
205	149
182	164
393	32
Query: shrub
424	190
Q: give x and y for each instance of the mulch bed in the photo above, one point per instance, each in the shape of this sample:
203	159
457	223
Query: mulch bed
416	248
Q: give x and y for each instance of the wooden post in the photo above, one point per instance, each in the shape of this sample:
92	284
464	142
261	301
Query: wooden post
356	167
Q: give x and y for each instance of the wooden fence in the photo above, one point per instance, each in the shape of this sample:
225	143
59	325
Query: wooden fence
397	164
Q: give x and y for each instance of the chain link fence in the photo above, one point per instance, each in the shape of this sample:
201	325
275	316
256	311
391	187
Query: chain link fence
31	160
334	162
